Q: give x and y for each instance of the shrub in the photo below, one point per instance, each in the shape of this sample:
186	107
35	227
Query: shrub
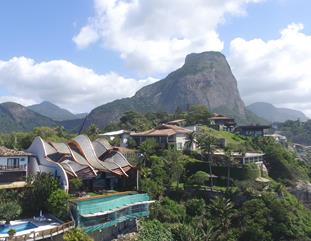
58	203
200	178
76	234
153	231
9	210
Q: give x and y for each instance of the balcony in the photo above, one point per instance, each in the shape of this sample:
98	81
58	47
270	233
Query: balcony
20	168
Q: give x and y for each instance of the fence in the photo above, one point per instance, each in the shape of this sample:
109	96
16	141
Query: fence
42	234
13	168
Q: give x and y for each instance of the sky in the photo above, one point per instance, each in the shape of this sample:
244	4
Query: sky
80	54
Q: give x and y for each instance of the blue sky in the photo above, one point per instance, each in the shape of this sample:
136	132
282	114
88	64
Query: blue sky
141	50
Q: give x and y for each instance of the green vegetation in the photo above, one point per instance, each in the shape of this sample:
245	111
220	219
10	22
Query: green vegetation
9	210
76	234
297	131
58	204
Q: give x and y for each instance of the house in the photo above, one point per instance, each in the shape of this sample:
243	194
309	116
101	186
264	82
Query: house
252	130
97	163
278	138
100	166
166	135
244	158
222	123
15	166
122	134
111	212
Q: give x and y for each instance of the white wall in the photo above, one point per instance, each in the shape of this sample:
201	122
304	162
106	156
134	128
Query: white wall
45	165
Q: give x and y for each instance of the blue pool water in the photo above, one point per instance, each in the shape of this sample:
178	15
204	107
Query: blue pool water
18	227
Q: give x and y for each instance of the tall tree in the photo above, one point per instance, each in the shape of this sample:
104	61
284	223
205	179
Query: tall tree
207	144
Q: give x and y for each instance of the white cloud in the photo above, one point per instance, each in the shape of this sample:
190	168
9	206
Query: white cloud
276	71
63	83
154	36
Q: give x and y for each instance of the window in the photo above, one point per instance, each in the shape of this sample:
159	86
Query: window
13	162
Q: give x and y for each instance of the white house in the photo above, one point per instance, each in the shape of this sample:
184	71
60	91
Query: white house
15	166
166	135
122	134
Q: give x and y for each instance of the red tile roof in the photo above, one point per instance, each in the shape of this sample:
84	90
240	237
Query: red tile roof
11	152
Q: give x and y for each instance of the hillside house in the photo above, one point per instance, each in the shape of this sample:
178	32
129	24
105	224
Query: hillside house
252	130
15	166
97	163
166	135
122	134
222	123
244	158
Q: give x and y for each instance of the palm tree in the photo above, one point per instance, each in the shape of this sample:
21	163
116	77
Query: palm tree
207	143
221	211
229	162
191	140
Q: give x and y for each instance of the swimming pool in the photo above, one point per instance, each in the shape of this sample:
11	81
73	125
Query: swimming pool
4	229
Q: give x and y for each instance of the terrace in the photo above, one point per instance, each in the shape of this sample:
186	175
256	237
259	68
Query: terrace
101	212
34	229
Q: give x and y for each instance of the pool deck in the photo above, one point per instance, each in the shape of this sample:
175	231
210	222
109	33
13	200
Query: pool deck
44	225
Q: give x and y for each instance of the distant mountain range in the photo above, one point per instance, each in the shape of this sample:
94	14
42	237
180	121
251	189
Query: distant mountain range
204	79
271	113
54	112
15	117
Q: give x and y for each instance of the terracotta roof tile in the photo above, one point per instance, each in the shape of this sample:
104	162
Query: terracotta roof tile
11	152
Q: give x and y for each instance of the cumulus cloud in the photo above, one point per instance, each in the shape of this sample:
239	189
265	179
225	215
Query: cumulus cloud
154	36
63	83
276	71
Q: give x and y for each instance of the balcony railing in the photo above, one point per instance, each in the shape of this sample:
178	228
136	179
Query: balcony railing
13	169
44	234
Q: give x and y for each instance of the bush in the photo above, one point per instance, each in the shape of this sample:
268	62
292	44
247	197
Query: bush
11	232
200	178
195	207
169	211
38	190
75	184
153	231
9	210
58	203
76	234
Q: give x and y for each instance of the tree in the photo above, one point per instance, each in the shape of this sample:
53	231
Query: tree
154	231
195	207
229	162
198	114
175	162
191	140
221	211
169	211
93	131
207	143
200	178
38	190
58	204
9	210
148	148
76	234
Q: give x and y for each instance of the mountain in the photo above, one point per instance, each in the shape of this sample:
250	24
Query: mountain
271	113
54	112
81	115
15	117
204	79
